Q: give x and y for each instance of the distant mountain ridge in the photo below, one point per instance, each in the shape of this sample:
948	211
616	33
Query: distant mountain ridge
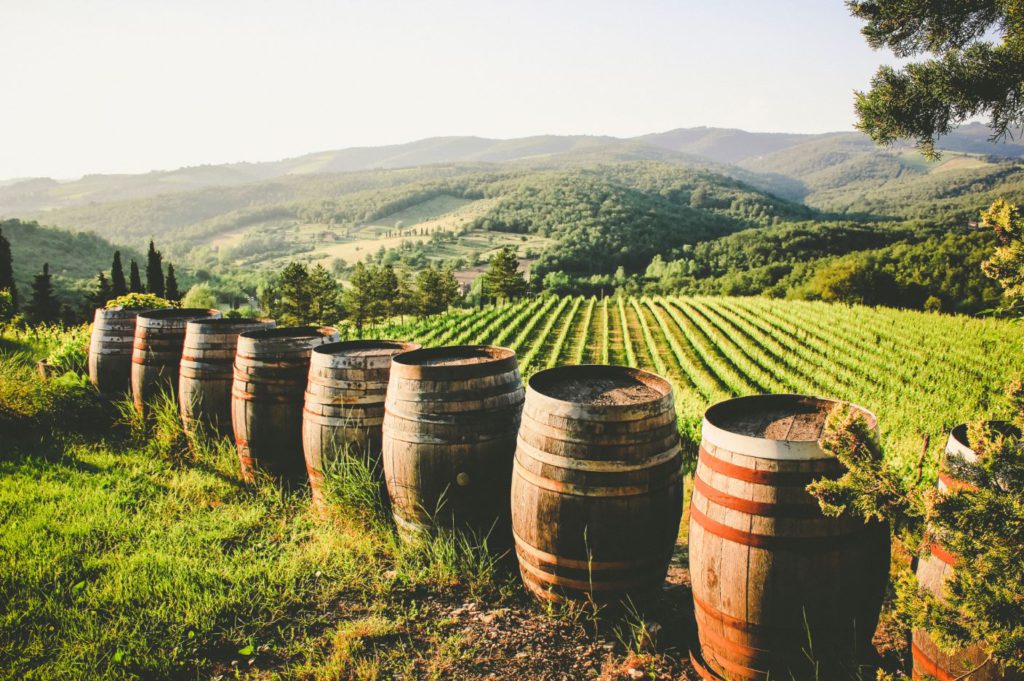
749	156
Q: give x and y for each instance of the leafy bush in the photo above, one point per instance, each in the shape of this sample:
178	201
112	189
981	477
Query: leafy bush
140	301
72	354
981	523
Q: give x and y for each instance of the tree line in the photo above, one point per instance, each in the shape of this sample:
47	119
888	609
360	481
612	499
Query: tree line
44	306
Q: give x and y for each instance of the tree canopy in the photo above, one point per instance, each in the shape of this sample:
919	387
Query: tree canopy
968	75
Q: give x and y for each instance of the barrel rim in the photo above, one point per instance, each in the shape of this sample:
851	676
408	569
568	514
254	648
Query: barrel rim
959	443
120	309
766	448
648	378
340	347
229	321
289	332
414	358
186	313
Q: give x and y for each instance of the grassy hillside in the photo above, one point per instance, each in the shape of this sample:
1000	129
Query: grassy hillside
75	258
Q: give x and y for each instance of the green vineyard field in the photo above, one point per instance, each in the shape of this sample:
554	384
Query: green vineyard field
920	373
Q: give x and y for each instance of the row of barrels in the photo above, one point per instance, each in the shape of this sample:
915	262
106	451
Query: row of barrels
580	470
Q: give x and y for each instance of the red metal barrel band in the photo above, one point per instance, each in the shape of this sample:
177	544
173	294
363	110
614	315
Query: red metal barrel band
942	554
776	478
761	508
930	666
767	541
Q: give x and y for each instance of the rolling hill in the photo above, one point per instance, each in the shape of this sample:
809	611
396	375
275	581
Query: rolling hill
74	258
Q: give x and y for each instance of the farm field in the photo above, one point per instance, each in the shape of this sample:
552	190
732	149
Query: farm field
920	373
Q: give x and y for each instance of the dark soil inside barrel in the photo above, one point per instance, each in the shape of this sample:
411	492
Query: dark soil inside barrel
453	361
793	423
370	352
602	391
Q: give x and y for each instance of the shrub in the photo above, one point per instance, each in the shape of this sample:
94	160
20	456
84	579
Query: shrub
981	523
140	301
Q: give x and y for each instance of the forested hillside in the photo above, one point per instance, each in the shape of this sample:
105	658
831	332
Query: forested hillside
700	210
74	258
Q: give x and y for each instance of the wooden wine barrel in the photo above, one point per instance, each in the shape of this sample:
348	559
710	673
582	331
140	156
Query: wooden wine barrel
110	350
271	367
207	361
597	488
768	568
156	353
933	571
450	421
344	407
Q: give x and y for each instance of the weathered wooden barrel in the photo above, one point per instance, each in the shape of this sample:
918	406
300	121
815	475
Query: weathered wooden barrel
270	372
207	362
934	570
110	350
156	352
450	422
344	406
597	488
770	571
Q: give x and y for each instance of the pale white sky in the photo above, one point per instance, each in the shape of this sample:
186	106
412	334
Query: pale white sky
134	85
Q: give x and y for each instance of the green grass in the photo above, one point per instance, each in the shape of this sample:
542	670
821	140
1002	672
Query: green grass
132	551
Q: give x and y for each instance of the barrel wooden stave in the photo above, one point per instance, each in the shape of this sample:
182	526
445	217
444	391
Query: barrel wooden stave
766	564
156	351
933	572
344	406
449	464
110	350
596	494
206	371
269	380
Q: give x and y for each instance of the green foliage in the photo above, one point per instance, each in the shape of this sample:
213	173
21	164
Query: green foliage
7	307
171	284
43	307
980	523
118	285
72	354
154	271
140	301
1007	263
503	280
436	290
7	282
968	76
300	296
200	295
102	293
135	280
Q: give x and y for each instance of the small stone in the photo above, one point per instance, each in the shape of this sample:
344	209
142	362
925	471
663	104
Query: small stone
635	673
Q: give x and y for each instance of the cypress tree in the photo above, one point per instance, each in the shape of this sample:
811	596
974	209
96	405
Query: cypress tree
134	280
103	291
118	286
7	270
154	271
43	307
171	286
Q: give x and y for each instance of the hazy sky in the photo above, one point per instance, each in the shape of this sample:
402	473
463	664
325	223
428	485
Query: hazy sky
133	85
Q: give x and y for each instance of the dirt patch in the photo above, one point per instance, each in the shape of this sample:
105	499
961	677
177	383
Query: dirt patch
803	422
602	391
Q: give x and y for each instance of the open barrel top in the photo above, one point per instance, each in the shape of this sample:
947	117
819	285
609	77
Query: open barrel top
177	313
229	322
287	332
365	348
453	362
600	385
773	426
